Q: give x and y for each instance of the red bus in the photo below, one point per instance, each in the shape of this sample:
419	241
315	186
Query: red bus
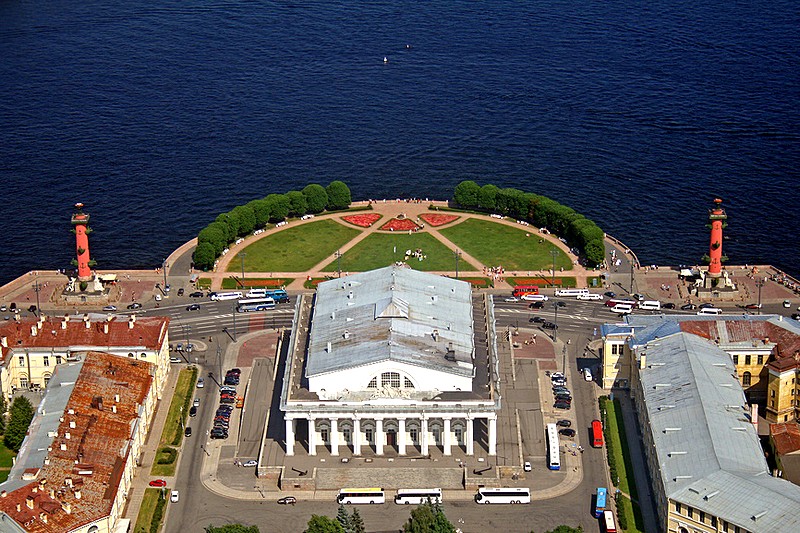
522	290
597	434
609	526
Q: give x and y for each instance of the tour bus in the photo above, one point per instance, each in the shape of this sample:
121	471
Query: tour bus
571	292
650	305
522	290
600	502
503	495
614	301
418	496
553	448
597	434
590	296
217	296
609	526
255	304
359	496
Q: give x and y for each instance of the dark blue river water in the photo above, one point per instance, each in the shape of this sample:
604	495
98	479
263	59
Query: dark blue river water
159	115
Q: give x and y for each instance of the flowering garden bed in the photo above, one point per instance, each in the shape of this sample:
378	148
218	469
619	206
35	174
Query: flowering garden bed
266	283
363	220
400	224
436	220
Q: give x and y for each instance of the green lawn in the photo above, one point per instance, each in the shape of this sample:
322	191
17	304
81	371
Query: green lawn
172	435
295	249
146	510
381	249
6	456
618	446
497	244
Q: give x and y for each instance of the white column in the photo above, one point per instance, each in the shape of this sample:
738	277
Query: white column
446	439
334	436
401	442
493	435
379	436
289	436
356	436
312	437
470	436
424	436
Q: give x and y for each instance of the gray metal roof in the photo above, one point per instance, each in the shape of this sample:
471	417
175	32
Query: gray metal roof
392	313
706	446
45	421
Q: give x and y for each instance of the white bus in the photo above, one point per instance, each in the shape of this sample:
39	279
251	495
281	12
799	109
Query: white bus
226	295
503	495
571	292
359	496
255	304
553	452
418	496
609	526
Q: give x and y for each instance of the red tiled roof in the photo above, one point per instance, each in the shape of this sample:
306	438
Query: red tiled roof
786	436
86	475
149	332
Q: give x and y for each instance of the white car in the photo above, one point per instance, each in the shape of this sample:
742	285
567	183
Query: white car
196	402
527	467
174	496
590	296
201	383
587	374
512	299
535	297
251	462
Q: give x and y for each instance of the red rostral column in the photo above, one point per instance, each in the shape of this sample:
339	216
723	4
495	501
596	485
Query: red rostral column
716	218
80	221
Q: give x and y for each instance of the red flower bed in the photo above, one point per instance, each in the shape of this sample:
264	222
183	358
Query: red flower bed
400	224
364	220
438	220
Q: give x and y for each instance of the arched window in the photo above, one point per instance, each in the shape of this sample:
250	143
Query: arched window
93	529
407	384
391	379
746	379
373	384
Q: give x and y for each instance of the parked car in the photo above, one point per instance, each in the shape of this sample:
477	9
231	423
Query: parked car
557	375
193	411
219	434
527	466
796	316
251	462
560	390
560	382
187	432
196	294
174	359
563	396
201	383
668	305
688	307
135	305
787	304
3	308
706	305
236	371
174	496
549	325
193	307
180	291
567	432
752	306
610	294
158	483
287	500
196	402
562	405
638	297
108	308
564	423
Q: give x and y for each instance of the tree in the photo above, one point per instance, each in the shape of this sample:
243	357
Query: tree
357	523
247	219
565	529
279	207
261	209
428	518
2	414
204	256
487	196
232	528
338	195
343	518
466	194
298	206
323	524
230	222
595	252
18	422
316	198
214	234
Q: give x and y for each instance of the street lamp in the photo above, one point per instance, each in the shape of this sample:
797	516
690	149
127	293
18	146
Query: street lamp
759	284
338	263
242	255
36	289
164	268
555	329
234	322
457	255
554	253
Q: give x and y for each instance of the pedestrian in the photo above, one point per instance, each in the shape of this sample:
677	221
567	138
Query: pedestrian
534	338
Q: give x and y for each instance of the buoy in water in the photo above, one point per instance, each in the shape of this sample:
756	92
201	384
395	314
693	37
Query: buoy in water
385	59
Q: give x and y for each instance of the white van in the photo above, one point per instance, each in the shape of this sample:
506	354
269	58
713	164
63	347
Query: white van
710	311
571	292
622	309
650	305
587	374
256	293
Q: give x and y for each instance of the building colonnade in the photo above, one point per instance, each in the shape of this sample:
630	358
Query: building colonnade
402	433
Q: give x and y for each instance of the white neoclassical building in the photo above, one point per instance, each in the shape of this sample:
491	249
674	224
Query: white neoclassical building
394	361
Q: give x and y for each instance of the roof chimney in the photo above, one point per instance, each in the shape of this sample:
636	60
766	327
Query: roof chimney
67	507
329	348
131	321
86	321
64	323
114	409
77	494
105	328
643	361
29	502
34	331
4	342
346	334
